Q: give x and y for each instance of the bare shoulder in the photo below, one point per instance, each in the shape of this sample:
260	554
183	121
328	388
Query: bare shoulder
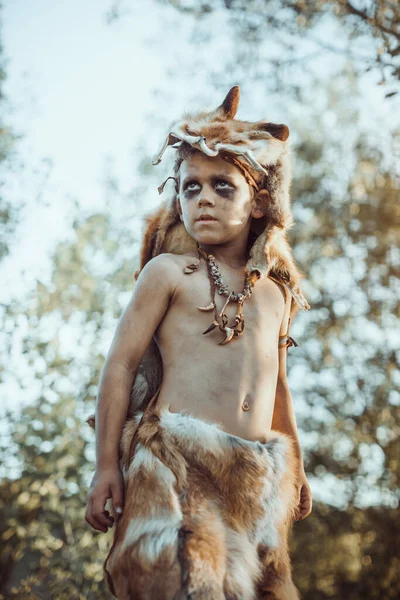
173	264
284	300
181	260
151	296
280	286
164	267
166	270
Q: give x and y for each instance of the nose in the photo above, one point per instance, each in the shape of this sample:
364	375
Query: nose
205	199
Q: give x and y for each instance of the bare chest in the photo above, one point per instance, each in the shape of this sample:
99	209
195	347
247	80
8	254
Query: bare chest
182	331
232	384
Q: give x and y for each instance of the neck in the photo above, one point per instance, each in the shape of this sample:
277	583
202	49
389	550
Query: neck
232	254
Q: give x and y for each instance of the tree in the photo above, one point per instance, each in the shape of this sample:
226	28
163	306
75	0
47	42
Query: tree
8	138
377	20
48	549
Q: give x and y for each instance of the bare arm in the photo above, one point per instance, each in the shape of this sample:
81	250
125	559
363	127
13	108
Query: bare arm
284	420
283	417
148	304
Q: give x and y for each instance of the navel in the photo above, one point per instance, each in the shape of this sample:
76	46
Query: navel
246	404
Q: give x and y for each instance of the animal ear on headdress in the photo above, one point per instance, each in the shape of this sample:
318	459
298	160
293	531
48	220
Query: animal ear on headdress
180	131
278	130
228	108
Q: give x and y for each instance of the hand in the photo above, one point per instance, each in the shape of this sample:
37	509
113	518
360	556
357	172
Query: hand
106	483
304	498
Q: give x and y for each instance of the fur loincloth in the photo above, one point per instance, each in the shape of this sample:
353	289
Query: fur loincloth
206	513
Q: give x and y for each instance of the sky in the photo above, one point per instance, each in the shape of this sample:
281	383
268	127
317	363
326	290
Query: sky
79	90
83	92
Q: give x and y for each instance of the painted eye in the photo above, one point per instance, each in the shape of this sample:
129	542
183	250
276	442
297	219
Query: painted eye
191	183
223	183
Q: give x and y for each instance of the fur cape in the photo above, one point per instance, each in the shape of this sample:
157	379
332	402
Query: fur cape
207	514
262	152
261	149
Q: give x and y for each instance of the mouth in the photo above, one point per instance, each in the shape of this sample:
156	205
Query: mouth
206	219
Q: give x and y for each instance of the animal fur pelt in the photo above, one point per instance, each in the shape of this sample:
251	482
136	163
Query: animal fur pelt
206	514
264	151
259	148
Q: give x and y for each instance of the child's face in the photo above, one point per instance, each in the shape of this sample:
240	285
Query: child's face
213	186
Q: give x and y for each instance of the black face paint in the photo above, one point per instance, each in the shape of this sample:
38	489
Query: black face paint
224	187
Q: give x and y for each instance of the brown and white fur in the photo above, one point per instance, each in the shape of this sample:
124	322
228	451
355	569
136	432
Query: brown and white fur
206	516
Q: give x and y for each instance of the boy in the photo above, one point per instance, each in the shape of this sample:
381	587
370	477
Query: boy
207	466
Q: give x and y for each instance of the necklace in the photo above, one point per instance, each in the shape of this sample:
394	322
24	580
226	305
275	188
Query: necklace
216	282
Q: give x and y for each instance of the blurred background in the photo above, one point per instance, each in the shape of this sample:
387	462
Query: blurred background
87	92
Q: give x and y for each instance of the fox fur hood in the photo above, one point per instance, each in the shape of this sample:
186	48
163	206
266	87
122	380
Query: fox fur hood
262	152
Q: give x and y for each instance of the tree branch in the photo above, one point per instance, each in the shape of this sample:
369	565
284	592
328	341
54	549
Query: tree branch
363	15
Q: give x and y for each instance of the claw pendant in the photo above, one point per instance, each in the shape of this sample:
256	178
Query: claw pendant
221	318
213	325
229	335
206	308
191	268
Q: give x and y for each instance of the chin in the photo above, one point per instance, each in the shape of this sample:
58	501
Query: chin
206	238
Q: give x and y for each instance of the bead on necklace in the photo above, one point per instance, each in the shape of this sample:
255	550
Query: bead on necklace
216	282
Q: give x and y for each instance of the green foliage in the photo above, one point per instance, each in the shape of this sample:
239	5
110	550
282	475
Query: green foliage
350	238
8	212
352	554
253	20
48	550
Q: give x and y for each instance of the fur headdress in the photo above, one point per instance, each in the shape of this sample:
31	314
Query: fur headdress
261	151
